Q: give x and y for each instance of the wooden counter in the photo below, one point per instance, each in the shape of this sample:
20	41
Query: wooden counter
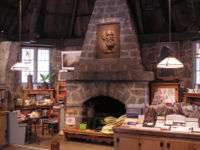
154	139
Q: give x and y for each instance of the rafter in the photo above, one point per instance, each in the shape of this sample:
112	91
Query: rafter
74	15
34	17
9	5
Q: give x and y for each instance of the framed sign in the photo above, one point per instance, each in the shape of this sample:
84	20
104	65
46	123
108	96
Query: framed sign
70	59
167	93
70	121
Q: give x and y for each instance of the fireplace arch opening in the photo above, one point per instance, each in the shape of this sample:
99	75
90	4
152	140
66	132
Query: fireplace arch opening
97	108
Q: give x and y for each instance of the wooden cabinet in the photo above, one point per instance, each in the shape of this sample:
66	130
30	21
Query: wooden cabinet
3	128
138	143
182	145
128	139
151	144
128	143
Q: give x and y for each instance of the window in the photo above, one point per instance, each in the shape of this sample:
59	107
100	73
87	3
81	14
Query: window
38	61
197	54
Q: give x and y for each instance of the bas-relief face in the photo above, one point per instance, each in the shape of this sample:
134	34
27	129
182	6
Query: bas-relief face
108	41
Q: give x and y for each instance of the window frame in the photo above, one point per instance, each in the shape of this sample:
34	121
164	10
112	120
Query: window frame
197	46
35	60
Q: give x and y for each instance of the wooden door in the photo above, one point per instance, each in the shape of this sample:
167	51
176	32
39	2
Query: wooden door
126	143
182	145
151	144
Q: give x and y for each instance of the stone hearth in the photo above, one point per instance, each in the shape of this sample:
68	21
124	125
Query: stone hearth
121	77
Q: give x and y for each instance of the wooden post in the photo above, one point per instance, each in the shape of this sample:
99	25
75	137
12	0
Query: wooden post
55	145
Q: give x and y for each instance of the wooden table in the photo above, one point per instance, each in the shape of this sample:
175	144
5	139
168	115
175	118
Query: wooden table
88	135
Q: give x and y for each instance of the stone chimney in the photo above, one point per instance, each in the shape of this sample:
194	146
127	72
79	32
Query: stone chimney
110	63
111	50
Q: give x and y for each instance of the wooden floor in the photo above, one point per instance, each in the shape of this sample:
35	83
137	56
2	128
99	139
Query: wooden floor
64	145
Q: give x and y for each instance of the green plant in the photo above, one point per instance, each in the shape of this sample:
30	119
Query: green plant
45	78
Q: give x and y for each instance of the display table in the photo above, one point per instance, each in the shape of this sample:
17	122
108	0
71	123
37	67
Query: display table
154	139
94	136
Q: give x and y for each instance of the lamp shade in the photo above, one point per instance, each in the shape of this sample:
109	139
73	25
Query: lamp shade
19	67
170	62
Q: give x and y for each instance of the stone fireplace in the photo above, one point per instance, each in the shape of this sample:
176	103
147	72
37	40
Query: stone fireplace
110	63
97	108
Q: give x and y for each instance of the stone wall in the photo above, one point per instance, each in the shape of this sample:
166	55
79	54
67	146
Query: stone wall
9	55
4	57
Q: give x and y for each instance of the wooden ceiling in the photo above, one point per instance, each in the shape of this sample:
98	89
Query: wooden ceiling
66	19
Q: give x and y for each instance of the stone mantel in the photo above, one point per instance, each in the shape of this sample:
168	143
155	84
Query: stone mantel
137	76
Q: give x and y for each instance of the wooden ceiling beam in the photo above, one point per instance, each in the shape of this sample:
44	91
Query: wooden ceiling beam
34	18
9	5
58	14
15	21
41	18
74	14
138	7
152	38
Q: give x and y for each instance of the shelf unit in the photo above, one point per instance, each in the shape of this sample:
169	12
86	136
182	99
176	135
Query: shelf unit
61	91
35	93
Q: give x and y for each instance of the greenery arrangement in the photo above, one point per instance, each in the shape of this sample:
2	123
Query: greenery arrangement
47	79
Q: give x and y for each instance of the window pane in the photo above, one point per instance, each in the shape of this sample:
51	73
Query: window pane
197	63
198	77
43	63
27	55
43	54
198	52
43	66
27	58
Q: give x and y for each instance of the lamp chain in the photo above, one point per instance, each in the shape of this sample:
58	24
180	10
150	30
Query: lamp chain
20	20
170	20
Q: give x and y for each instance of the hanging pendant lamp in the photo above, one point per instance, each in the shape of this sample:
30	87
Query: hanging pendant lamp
170	62
19	66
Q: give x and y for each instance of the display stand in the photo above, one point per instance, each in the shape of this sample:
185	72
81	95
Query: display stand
193	98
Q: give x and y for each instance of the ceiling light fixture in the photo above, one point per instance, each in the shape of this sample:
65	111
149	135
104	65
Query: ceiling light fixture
170	62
